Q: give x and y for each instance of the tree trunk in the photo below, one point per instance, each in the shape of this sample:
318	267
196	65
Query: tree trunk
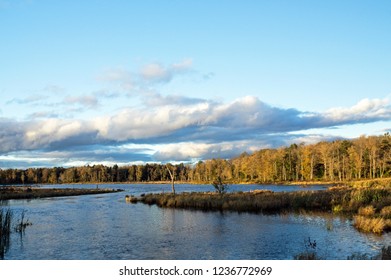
172	179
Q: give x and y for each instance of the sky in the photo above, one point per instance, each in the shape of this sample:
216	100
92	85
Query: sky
131	82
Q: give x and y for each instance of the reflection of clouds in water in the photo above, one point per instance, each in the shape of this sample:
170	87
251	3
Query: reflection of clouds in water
105	227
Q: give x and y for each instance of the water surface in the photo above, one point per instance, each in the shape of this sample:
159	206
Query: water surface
106	227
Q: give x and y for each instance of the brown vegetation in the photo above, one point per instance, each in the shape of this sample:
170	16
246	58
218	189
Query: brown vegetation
259	201
29	192
369	206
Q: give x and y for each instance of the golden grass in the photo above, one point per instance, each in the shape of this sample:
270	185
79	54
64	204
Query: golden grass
367	211
386	212
382	182
375	225
363	201
370	206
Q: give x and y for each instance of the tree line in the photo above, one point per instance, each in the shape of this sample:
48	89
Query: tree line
367	157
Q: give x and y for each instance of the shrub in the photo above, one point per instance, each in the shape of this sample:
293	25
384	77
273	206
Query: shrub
367	211
219	186
337	208
375	225
386	212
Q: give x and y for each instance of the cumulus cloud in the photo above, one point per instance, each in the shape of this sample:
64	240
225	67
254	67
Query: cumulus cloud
192	151
367	110
11	135
94	154
183	128
44	133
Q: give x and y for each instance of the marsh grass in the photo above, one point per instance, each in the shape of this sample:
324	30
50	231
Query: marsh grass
369	207
386	212
32	192
382	182
6	220
367	211
5	231
22	223
368	224
260	201
310	252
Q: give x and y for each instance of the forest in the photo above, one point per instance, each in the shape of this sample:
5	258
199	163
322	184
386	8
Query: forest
367	157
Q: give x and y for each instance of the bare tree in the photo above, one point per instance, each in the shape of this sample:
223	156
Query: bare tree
172	177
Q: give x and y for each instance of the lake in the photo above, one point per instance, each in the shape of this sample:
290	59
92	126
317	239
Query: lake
105	227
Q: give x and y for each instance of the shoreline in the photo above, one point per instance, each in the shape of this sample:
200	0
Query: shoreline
13	192
361	182
178	183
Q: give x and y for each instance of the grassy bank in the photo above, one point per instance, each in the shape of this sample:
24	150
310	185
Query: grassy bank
31	192
369	206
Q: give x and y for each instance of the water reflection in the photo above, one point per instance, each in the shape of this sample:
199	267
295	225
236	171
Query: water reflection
105	227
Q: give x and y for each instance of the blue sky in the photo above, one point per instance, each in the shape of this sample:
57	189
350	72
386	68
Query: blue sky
86	82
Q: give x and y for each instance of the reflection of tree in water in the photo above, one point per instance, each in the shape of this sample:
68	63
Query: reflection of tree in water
6	217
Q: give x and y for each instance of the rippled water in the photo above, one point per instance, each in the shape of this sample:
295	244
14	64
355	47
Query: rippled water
105	227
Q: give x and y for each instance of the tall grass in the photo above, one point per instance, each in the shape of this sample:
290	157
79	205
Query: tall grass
345	200
367	211
6	220
245	202
370	207
375	225
386	212
310	251
22	223
5	231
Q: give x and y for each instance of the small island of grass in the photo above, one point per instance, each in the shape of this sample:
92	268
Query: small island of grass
16	192
368	204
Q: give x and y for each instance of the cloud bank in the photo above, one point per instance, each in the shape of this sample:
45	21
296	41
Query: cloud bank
173	128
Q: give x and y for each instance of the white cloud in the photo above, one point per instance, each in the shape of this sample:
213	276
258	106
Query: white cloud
365	109
43	133
182	151
193	151
156	72
147	76
140	124
182	128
